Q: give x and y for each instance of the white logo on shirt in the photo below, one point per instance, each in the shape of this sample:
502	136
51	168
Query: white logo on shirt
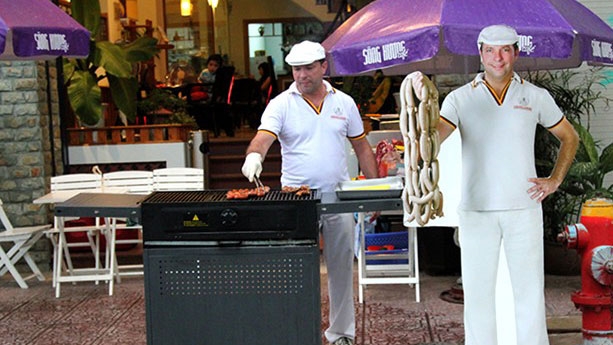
523	104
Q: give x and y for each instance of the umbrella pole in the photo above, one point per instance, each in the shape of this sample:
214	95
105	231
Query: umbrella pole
63	109
50	111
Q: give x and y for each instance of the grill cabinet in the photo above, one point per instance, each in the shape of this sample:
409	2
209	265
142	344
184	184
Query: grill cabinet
221	272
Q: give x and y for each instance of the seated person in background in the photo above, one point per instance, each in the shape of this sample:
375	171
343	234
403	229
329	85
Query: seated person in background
264	82
207	76
208	103
221	91
203	93
179	74
382	100
267	82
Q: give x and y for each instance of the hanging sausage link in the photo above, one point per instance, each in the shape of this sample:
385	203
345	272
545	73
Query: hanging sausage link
421	196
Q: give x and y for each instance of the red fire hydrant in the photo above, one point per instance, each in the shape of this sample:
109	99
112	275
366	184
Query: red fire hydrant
593	239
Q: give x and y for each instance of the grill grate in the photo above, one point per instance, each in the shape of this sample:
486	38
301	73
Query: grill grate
220	196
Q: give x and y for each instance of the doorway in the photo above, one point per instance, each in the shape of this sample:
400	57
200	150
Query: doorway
275	39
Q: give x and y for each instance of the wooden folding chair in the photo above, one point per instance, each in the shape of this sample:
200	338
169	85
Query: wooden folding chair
22	239
135	182
178	179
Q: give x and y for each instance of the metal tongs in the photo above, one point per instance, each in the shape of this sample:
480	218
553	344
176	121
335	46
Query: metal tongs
258	184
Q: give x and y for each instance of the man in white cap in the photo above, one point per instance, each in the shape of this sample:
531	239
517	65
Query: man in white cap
497	115
312	122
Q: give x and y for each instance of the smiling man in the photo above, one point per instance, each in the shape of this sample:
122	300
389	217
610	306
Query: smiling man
312	121
497	115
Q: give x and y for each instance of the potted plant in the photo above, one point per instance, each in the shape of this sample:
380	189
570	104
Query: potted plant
586	176
576	94
112	61
159	99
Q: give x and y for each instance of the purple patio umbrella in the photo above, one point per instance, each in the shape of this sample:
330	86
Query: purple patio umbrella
37	30
439	36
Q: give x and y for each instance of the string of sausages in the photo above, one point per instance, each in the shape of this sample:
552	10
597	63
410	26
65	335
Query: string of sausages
421	196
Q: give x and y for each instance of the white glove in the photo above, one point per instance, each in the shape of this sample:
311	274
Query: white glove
253	166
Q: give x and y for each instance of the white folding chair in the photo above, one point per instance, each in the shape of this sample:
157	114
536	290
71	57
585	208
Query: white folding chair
76	183
22	239
135	182
397	266
178	179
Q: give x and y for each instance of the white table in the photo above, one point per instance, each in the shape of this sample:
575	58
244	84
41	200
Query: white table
96	273
58	196
107	205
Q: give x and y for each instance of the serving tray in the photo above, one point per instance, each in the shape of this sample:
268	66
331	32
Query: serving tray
377	188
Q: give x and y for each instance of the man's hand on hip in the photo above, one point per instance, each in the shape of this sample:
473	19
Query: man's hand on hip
542	188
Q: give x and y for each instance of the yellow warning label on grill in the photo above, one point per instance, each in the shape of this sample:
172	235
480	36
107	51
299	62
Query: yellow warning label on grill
194	221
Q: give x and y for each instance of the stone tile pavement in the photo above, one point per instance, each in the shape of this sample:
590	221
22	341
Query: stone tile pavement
85	314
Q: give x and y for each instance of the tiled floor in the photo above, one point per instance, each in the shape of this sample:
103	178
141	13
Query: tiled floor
85	314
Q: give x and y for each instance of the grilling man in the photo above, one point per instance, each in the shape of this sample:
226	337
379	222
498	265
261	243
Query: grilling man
312	121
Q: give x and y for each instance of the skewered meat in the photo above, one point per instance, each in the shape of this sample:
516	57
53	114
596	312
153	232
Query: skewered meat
299	191
244	193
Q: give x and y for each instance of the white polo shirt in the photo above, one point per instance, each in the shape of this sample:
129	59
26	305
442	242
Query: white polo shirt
498	141
313	140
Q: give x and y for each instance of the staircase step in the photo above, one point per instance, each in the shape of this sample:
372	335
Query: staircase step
238	146
241	157
235	147
233	163
226	158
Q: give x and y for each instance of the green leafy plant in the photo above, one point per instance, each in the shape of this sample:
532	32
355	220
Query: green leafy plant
164	99
112	61
585	180
360	88
586	175
577	95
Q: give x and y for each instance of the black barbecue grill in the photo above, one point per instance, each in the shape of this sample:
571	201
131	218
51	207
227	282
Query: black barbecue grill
210	216
221	271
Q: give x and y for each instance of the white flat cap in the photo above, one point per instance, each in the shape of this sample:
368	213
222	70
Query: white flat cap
304	53
497	35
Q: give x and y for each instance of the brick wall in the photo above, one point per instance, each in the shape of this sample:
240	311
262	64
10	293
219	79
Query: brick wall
25	147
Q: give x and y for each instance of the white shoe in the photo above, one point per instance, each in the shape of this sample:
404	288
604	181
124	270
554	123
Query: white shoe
343	341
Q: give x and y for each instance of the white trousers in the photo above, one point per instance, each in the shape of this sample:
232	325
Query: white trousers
338	235
480	237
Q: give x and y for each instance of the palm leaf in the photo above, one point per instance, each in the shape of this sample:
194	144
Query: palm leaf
142	49
113	59
606	160
69	68
87	12
587	143
84	95
123	91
